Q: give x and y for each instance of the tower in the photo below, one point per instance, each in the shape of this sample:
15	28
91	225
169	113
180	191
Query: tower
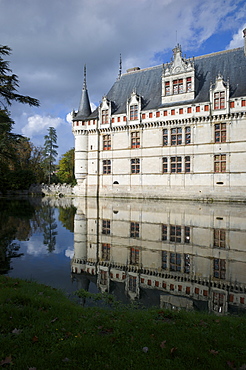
81	137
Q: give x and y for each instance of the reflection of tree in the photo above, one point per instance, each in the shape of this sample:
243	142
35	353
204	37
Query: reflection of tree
49	227
66	216
15	223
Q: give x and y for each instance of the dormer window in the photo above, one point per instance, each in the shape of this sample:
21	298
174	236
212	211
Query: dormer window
133	112
178	78
105	116
219	94
219	100
188	84
167	88
178	86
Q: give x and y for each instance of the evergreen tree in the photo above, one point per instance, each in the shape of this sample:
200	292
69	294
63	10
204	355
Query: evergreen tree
9	84
50	153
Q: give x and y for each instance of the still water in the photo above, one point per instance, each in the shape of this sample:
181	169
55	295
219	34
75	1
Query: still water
159	253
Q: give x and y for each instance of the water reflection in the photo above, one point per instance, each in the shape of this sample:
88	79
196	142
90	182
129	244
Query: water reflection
170	254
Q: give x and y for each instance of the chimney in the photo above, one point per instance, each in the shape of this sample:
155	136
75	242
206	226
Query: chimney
244	36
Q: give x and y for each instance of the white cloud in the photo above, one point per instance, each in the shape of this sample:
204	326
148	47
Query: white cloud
237	39
69	253
38	124
34	250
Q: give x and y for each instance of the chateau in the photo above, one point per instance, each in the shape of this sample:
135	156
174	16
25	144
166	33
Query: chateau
176	130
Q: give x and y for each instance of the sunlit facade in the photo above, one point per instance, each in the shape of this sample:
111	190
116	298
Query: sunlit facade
176	130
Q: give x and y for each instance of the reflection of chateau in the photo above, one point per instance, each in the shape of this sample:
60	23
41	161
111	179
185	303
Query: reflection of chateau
172	254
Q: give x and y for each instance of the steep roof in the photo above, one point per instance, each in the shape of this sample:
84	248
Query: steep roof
231	64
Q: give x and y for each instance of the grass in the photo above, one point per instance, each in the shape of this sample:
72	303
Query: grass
40	328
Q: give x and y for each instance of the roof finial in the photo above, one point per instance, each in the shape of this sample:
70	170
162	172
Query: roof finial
120	68
84	85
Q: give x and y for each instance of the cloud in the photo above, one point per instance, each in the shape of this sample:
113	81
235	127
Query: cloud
237	39
69	252
38	124
52	40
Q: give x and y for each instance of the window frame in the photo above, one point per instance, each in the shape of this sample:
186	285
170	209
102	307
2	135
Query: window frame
219	163
135	139
106	169
135	166
133	112
106	142
220	132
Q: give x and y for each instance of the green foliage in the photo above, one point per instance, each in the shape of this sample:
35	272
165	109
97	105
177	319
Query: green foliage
66	216
65	172
9	142
50	153
9	84
42	329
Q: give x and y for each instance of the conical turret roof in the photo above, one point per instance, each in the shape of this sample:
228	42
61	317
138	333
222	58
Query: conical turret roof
84	106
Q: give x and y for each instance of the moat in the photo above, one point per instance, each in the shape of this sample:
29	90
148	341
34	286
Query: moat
174	255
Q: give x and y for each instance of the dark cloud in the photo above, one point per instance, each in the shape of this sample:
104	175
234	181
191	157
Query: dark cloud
52	40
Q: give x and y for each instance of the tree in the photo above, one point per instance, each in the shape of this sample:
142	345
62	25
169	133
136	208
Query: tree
65	172
9	85
50	153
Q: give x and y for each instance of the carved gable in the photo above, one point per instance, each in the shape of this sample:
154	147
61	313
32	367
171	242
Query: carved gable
178	78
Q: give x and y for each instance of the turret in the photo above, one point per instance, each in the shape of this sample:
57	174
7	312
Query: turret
81	138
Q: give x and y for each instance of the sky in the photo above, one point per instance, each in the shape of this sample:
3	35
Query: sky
52	40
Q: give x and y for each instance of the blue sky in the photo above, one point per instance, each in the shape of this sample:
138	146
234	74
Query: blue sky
51	40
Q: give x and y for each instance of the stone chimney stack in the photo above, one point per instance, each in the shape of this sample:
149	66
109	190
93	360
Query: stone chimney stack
244	36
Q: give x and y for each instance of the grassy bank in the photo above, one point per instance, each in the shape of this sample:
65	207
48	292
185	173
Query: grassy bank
41	329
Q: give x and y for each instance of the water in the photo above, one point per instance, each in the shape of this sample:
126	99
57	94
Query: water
159	253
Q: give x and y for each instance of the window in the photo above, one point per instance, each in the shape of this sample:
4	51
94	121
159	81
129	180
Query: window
175	262
164	232
219	268
165	136
218	301
164	165
232	104
105	252
243	103
187	135
104	116
219	100
198	109
133	112
220	163
181	110
106	166
150	115
220	132
135	139
134	256
164	260
106	227
165	112
186	263
188	84
189	110
178	86
176	164
135	165
134	230
206	108
175	233
104	277
167	88
106	142
176	136
219	238
133	284
187	234
143	116
187	164
157	114
173	112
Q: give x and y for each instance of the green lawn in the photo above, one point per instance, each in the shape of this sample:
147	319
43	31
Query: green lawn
40	328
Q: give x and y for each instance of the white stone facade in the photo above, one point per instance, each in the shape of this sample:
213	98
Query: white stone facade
171	131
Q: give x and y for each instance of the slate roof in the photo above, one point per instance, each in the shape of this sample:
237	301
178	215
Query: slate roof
231	64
